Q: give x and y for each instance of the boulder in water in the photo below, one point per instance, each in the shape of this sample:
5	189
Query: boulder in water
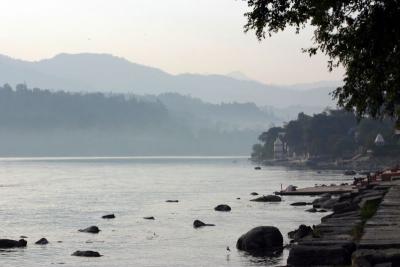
90	229
149	218
269	198
42	241
8	243
172	201
86	253
108	216
299	204
350	172
222	207
261	240
254	194
198	224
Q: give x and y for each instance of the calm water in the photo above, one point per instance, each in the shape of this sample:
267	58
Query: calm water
53	198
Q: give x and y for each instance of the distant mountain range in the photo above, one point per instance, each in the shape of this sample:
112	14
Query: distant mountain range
107	73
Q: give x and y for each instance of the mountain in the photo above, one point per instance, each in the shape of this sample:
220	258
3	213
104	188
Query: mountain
106	73
239	76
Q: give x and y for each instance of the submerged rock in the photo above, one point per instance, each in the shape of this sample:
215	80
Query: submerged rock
172	201
8	243
350	172
222	207
86	253
269	198
42	241
254	194
149	218
108	216
261	240
90	229
299	204
312	210
198	223
257	168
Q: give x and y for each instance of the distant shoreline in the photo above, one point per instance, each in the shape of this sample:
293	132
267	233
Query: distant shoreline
63	158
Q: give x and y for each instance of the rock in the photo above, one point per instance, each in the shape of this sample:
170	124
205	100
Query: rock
261	240
345	206
222	207
42	241
299	204
90	229
328	204
376	257
350	172
23	236
312	210
254	194
301	232
257	168
197	224
172	201
86	253
318	201
108	216
238	198
149	218
269	198
322	210
329	255
8	243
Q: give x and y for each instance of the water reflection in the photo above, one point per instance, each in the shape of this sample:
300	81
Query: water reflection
257	259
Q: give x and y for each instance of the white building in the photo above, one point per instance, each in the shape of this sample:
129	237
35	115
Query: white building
379	141
279	148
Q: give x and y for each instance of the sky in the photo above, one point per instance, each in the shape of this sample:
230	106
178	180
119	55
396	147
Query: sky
177	36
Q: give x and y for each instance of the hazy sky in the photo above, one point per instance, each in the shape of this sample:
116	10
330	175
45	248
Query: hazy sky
198	36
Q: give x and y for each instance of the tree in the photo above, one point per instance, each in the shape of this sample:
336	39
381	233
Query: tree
361	35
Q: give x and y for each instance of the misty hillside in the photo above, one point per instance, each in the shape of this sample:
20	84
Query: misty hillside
107	73
36	122
224	116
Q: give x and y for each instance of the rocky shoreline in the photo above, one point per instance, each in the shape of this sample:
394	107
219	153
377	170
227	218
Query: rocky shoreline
362	230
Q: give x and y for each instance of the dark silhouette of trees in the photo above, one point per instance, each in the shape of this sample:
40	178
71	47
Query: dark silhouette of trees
24	108
361	35
333	134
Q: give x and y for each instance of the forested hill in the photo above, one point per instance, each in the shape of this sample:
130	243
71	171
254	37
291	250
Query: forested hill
42	109
36	122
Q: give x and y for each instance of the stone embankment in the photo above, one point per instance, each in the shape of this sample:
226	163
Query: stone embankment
380	243
363	230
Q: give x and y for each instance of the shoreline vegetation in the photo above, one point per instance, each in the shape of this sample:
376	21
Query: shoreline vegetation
333	139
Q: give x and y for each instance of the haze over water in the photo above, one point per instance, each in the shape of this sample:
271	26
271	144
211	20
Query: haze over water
54	197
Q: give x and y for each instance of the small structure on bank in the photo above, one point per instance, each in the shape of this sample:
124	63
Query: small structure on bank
281	149
379	140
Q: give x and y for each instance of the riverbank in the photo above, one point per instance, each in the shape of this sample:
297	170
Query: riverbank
361	163
362	229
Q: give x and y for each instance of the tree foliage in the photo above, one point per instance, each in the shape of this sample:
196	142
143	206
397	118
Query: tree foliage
361	35
33	109
334	134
